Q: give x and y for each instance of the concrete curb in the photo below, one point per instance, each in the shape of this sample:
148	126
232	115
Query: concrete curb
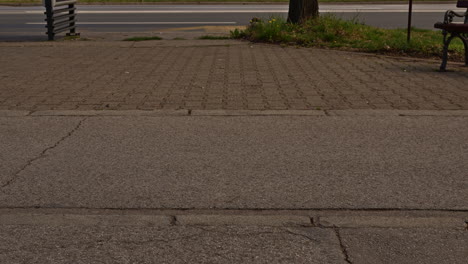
244	220
154	220
328	218
391	222
85	220
257	113
365	112
12	113
433	113
111	113
219	113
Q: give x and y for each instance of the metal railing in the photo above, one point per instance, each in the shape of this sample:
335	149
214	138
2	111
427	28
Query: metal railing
60	17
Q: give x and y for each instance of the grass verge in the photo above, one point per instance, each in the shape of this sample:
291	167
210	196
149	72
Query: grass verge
327	31
143	38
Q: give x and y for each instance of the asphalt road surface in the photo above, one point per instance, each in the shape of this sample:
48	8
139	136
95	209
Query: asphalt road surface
235	162
17	22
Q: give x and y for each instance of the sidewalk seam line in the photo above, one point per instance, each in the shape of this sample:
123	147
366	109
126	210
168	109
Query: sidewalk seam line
242	209
44	152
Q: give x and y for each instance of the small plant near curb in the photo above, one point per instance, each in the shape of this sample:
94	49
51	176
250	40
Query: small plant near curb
178	39
73	38
214	37
328	31
143	38
238	33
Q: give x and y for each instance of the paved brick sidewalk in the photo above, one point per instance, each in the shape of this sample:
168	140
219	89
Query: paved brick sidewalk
197	74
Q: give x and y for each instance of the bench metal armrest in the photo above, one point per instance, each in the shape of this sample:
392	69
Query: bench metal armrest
450	15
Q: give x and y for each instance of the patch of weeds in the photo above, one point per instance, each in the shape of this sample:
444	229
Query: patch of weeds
178	39
74	37
328	31
237	34
143	38
214	37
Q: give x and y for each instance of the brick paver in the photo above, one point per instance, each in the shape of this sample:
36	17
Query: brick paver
197	74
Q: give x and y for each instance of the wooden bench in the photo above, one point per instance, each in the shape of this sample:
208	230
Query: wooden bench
459	30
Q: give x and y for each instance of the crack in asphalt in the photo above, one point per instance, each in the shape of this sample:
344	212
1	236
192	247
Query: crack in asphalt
289	231
344	250
42	154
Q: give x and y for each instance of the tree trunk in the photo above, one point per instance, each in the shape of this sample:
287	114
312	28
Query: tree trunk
302	10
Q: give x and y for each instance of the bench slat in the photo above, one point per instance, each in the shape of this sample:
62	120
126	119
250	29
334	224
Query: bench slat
462	4
452	27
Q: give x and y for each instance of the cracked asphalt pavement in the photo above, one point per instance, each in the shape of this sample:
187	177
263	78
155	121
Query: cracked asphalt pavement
230	187
220	152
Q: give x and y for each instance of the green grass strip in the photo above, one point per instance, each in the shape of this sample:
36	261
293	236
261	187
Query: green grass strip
328	31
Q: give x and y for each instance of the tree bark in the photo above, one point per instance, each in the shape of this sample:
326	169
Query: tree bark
302	10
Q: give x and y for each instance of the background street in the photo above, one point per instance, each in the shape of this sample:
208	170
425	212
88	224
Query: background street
23	23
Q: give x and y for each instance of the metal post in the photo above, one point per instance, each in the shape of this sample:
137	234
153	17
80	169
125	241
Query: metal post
49	19
71	19
410	13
